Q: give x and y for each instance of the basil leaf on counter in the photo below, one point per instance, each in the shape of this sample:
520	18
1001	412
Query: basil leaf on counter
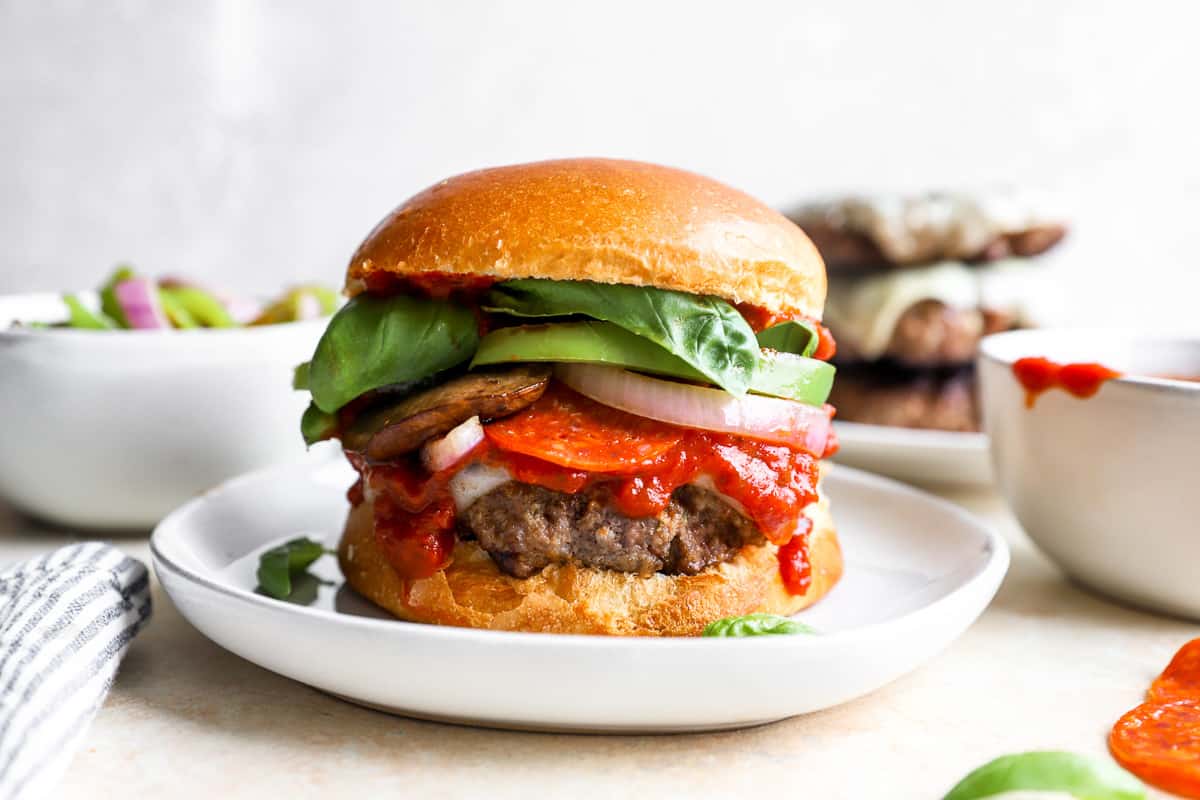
1049	771
277	565
793	336
373	342
317	425
706	332
756	625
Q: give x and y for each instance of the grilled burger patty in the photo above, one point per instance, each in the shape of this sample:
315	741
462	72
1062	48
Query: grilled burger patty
525	528
885	394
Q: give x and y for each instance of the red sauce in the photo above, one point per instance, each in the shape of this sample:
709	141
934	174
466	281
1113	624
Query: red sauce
1038	375
760	319
435	285
771	482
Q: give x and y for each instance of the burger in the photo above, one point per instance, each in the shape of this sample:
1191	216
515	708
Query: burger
582	396
915	281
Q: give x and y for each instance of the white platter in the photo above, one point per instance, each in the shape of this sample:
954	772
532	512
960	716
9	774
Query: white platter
916	456
918	573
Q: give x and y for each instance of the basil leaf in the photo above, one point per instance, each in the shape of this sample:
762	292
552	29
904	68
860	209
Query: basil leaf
317	425
277	565
108	297
706	332
300	376
84	317
379	341
1049	771
793	336
755	625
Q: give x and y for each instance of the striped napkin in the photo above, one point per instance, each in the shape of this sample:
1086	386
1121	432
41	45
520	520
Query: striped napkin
65	621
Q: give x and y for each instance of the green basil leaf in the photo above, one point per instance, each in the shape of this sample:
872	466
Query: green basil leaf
793	336
755	625
317	425
1050	771
277	565
706	332
84	317
300	376
108	298
373	342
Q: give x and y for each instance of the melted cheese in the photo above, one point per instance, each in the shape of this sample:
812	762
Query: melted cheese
938	225
474	482
865	310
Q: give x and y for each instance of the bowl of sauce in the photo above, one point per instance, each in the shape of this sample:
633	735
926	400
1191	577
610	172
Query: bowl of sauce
1095	443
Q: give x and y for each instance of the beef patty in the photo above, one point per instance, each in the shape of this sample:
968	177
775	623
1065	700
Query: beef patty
932	334
525	528
885	394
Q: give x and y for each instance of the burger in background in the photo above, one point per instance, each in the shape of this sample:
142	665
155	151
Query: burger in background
914	283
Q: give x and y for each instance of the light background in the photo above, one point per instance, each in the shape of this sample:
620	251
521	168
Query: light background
253	144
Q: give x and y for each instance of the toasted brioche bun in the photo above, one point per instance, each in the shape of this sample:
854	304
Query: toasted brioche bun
600	220
473	593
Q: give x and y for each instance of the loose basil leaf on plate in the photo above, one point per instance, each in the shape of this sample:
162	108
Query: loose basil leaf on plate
277	565
84	317
317	425
793	336
300	376
372	342
706	332
756	625
1049	771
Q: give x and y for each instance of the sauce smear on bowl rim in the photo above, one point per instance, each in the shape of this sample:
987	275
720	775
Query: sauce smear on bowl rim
1038	374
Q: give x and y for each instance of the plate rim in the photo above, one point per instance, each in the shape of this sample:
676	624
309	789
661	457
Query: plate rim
992	571
867	434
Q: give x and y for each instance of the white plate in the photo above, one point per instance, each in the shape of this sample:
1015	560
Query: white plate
918	572
916	456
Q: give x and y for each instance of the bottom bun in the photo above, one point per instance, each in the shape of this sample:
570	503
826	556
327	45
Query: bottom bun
473	593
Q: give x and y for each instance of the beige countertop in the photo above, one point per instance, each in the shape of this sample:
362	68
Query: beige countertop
1048	666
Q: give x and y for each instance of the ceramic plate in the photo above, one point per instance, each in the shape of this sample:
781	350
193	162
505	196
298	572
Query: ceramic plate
918	572
916	456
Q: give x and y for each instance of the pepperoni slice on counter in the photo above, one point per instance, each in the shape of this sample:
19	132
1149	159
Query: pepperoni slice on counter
566	428
1181	679
1160	743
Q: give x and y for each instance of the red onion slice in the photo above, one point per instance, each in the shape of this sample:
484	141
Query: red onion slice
438	454
138	299
768	419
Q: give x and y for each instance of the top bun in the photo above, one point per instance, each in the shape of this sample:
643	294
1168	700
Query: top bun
601	220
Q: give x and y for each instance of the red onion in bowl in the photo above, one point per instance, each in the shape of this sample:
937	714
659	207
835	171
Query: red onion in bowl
768	419
139	303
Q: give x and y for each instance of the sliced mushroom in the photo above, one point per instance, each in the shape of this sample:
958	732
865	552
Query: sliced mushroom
401	427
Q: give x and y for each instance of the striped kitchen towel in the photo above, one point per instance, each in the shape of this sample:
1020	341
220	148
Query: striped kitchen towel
65	621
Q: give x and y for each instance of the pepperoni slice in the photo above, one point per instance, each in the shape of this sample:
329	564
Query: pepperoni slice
1160	743
1181	678
568	429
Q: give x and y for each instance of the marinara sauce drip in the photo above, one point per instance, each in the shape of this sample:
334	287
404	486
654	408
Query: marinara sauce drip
759	319
1039	375
771	482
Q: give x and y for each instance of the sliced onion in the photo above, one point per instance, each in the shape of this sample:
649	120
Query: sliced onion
138	299
474	481
437	454
769	419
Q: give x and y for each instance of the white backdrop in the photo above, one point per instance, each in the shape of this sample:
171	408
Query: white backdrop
254	143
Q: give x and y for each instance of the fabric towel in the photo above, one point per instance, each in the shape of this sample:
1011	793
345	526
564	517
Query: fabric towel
66	620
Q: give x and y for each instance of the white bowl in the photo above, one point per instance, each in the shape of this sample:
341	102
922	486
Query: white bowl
1107	486
113	429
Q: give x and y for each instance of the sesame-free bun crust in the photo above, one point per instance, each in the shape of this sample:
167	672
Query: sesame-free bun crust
600	220
473	593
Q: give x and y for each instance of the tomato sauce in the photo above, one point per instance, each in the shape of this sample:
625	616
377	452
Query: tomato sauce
1159	741
759	319
1039	375
773	483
